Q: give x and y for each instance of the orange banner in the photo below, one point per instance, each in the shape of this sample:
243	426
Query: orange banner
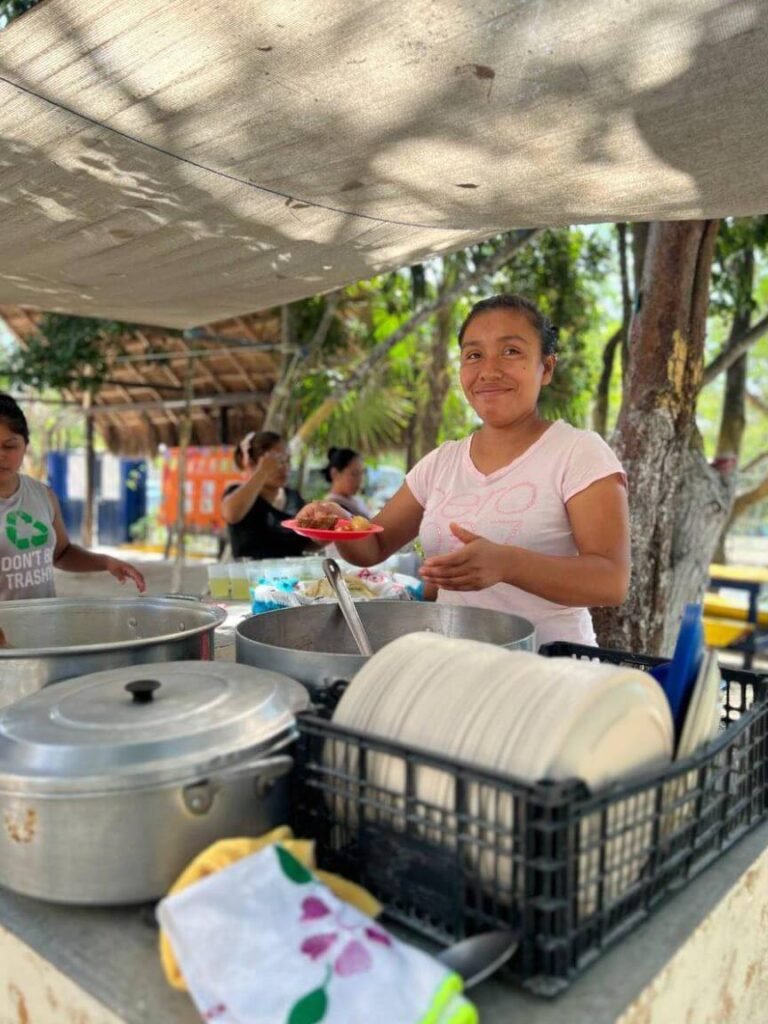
209	471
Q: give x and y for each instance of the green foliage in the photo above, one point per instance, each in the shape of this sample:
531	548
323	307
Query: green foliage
562	271
68	351
737	237
10	9
368	419
731	294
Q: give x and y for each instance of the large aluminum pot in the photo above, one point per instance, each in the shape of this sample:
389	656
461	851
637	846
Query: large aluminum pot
112	783
60	638
313	643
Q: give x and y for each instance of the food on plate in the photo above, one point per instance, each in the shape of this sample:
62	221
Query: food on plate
320	515
355	524
324	515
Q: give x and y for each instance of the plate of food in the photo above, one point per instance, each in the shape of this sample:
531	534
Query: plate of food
330	526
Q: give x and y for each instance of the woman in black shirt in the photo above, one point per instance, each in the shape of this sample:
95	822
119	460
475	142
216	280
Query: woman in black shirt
255	509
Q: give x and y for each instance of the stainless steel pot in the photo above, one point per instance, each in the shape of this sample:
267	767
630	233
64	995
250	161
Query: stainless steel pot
110	784
313	643
60	638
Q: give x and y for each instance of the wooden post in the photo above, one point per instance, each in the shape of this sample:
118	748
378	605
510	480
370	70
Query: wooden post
185	434
87	527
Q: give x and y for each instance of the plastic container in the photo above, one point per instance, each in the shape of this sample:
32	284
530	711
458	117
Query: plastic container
238	581
218	581
586	868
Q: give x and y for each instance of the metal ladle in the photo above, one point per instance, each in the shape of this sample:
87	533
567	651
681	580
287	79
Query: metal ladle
347	605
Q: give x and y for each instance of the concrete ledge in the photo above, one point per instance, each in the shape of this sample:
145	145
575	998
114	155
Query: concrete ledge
702	959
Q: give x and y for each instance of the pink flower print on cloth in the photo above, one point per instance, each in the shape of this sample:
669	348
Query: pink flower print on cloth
345	949
263	941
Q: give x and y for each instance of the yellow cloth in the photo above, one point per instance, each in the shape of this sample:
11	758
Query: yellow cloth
229	851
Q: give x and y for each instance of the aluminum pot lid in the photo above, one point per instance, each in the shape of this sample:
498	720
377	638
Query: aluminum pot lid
145	724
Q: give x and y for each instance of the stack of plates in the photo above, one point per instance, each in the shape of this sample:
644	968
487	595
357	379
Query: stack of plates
701	725
515	713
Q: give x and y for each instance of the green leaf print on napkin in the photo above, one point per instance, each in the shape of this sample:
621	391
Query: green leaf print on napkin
310	1009
292	868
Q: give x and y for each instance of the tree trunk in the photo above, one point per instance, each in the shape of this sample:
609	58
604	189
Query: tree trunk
703	504
436	372
273	418
409	440
626	298
733	418
657	441
640	231
602	394
621	337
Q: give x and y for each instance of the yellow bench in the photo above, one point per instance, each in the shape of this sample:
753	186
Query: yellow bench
722	632
721	607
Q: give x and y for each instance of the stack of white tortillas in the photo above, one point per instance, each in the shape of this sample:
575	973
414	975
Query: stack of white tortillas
515	713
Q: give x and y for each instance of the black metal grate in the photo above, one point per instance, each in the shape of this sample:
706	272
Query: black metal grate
573	871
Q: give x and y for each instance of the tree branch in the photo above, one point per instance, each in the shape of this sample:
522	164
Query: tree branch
734	351
754	462
757	402
600	411
301	356
749	498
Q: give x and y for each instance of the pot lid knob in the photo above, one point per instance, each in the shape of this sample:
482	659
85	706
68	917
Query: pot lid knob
143	690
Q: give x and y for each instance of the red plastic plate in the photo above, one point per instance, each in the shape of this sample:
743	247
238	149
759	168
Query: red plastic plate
334	535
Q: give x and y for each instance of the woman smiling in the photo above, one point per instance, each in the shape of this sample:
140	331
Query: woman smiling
525	515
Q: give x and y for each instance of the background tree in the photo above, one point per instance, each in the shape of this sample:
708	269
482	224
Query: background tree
734	298
678	503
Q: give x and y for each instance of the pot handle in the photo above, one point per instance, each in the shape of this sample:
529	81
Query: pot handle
199	796
266	769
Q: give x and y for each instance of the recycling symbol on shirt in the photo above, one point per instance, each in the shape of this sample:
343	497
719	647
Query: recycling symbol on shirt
34	537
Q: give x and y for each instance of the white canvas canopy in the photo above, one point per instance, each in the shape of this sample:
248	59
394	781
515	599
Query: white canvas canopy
179	161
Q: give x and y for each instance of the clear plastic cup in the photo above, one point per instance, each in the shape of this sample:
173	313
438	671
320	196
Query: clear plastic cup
238	581
310	568
218	581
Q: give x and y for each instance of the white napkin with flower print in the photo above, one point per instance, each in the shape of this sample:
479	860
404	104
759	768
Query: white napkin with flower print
264	942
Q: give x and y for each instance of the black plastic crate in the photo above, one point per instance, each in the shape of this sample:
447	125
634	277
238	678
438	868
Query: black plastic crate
573	871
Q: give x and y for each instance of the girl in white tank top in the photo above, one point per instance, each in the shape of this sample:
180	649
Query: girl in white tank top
33	538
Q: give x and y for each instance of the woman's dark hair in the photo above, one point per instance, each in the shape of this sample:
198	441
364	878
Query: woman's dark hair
12	416
255	444
339	459
518	304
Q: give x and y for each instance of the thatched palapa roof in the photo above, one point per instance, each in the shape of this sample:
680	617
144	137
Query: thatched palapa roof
234	365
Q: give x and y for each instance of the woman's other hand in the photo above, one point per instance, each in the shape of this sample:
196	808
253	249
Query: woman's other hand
123	571
477	564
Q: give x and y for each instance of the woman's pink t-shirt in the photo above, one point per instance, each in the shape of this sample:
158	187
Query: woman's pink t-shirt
521	504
